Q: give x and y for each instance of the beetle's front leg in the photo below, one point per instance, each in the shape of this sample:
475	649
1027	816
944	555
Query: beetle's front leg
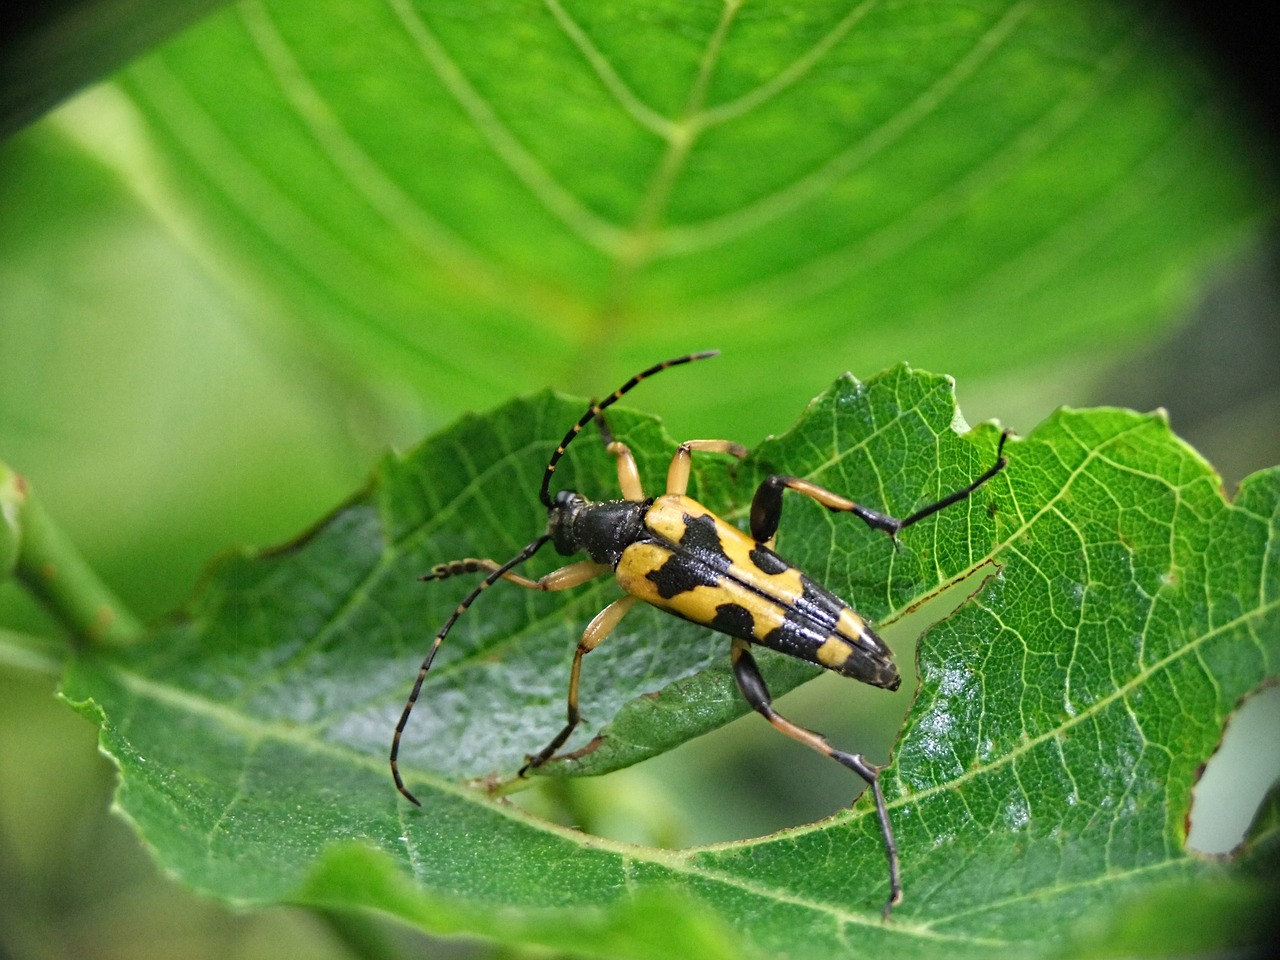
628	473
563	578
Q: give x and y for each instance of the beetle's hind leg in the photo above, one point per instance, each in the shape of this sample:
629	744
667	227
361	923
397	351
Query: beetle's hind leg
597	630
766	506
753	688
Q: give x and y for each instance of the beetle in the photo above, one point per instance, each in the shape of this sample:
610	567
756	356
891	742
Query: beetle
673	553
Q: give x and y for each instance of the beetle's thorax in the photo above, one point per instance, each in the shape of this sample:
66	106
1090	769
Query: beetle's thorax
601	529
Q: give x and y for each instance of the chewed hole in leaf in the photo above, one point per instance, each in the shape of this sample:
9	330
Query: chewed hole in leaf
1238	776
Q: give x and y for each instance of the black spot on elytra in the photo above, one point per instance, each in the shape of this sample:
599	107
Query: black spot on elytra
768	561
735	620
700	538
699	562
677	575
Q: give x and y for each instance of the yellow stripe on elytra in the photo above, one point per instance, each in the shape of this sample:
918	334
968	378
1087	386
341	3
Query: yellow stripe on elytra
638	560
699	604
851	625
833	652
670	513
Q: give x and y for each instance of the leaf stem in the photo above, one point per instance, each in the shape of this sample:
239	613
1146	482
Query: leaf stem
48	564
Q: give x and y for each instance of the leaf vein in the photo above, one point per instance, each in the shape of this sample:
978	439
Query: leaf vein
717	231
408	217
828	269
791	74
637	109
577	217
329	263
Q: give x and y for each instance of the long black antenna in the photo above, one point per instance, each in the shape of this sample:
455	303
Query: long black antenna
485	584
595	409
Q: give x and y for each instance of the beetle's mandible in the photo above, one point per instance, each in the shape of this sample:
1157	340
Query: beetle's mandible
672	552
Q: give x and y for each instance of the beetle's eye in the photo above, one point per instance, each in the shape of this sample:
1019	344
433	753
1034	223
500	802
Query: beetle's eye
567	498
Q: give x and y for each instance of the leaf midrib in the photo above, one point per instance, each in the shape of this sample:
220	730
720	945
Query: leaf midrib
256	731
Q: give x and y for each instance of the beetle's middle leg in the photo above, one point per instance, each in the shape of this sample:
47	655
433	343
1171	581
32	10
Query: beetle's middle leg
597	630
562	579
753	688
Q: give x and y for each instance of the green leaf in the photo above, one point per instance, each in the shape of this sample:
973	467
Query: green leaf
1043	775
419	185
12	497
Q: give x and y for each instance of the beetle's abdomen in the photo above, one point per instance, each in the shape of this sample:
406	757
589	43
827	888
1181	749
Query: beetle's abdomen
698	567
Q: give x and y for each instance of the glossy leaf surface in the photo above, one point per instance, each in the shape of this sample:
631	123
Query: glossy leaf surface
1043	774
553	185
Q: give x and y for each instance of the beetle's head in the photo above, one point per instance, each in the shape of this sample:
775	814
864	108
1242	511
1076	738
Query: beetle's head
560	517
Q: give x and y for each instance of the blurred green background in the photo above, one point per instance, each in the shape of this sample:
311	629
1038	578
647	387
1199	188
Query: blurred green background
297	235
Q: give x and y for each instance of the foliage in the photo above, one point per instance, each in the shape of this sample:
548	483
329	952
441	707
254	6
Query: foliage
300	232
1044	772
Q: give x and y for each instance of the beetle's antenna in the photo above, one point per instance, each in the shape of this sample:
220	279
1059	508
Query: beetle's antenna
595	409
485	584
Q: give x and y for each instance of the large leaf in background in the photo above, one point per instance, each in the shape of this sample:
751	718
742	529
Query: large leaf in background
531	183
1044	774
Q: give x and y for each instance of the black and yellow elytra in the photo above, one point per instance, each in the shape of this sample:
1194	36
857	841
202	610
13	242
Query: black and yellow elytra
672	552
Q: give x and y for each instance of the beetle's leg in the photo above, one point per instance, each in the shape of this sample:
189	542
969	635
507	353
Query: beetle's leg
562	579
766	507
599	628
678	472
628	472
753	688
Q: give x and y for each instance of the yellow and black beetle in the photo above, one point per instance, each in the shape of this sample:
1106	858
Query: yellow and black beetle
674	553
